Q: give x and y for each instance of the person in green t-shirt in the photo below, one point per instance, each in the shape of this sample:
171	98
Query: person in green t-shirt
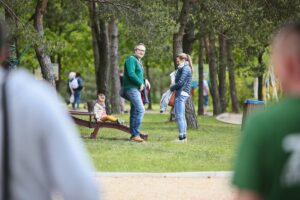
268	160
133	84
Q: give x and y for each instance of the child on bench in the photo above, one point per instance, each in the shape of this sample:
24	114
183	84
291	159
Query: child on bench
100	111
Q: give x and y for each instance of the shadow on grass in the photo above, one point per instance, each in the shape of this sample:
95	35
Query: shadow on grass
114	138
86	137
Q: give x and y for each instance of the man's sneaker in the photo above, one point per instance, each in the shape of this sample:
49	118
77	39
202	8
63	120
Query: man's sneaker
136	139
144	136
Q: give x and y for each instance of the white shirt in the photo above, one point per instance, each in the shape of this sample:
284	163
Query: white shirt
99	110
205	86
45	150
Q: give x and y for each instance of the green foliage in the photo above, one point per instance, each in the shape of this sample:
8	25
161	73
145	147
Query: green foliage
248	24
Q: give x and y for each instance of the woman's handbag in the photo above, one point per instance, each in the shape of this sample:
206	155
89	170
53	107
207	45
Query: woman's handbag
144	95
172	99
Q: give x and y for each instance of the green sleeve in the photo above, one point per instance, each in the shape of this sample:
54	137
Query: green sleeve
248	173
130	70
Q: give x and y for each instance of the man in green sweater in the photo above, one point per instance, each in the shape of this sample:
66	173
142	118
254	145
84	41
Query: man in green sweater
133	84
268	161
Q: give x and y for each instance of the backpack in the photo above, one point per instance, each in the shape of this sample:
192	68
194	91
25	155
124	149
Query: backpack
80	86
74	84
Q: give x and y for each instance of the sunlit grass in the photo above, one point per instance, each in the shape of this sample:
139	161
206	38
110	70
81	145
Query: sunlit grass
210	148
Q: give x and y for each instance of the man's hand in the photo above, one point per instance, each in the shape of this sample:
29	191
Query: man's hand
147	84
142	87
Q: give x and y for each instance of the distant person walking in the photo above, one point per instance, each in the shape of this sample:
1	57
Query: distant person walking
41	150
75	86
70	88
78	91
182	87
268	161
133	84
205	96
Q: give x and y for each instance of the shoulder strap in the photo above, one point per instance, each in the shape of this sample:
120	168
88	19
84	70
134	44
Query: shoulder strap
140	63
5	158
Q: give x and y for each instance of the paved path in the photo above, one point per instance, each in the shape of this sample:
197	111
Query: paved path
165	187
230	118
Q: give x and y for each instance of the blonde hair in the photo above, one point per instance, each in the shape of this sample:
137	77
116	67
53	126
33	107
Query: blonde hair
72	75
186	57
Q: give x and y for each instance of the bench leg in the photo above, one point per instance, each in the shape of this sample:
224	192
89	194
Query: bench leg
94	133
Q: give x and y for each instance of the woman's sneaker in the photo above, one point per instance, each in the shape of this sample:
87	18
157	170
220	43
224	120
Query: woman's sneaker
120	121
182	139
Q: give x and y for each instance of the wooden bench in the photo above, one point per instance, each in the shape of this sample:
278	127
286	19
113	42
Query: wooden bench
92	123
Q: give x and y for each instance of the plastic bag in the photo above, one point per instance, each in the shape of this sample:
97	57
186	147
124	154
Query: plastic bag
72	98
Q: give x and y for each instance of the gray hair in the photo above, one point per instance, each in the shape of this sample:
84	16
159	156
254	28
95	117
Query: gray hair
140	44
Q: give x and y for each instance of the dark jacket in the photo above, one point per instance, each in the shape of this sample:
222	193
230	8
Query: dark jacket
183	80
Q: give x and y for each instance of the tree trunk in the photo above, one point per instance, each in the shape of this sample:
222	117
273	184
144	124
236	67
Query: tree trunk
95	29
200	75
213	75
222	72
104	64
260	87
188	39
43	58
190	113
11	61
260	76
205	42
101	52
114	68
149	79
234	100
178	36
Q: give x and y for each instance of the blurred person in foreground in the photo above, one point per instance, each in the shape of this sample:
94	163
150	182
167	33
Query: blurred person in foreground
45	155
268	161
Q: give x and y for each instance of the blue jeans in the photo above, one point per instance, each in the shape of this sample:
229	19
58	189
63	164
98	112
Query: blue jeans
205	100
77	96
180	113
137	110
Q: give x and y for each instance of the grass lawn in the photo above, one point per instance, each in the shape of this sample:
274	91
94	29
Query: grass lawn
210	148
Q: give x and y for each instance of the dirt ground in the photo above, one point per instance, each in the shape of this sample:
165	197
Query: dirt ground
165	188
